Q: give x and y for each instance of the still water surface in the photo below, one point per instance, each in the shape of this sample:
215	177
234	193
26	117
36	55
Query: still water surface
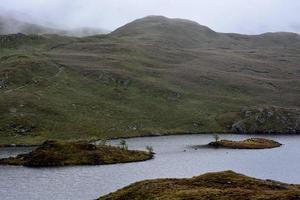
174	158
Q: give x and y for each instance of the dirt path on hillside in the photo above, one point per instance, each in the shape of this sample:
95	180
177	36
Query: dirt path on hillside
57	74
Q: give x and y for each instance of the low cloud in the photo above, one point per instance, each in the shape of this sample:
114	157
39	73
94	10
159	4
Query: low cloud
249	17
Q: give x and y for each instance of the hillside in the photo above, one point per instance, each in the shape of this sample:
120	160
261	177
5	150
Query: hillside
152	76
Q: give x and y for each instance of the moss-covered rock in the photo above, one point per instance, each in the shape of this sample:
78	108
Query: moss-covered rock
53	153
226	185
252	143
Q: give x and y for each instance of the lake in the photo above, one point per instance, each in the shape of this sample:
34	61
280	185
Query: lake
174	158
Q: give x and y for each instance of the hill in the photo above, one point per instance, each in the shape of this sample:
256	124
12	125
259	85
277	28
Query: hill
152	76
188	34
163	31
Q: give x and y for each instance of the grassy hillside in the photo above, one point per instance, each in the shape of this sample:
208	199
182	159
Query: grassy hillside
152	76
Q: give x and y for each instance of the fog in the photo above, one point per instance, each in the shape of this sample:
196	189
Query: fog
249	17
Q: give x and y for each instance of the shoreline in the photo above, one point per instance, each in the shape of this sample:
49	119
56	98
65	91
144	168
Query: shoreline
163	135
18	145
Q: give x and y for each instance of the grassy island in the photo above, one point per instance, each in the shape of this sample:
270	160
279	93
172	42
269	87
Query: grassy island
54	153
226	185
252	143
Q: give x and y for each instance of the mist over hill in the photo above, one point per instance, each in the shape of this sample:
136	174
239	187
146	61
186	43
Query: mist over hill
12	25
153	76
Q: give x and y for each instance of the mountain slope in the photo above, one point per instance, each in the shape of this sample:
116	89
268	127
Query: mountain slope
188	34
152	76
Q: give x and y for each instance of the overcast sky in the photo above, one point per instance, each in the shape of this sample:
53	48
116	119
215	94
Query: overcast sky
242	16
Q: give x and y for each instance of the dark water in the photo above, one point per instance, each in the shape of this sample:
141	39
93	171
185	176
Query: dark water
174	158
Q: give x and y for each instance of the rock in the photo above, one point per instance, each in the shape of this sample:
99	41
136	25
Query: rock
239	127
260	119
248	113
12	110
3	83
268	119
270	114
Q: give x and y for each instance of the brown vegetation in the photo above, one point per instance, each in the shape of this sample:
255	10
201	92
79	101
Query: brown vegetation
252	143
53	153
226	185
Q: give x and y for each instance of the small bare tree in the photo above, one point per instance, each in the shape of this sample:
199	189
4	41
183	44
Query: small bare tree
123	144
216	137
149	149
103	141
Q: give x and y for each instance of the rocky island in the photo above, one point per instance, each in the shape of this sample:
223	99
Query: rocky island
214	186
54	153
252	143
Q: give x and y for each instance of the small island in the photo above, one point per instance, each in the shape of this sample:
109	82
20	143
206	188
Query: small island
252	143
55	153
215	186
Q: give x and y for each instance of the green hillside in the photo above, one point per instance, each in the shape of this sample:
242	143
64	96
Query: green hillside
152	76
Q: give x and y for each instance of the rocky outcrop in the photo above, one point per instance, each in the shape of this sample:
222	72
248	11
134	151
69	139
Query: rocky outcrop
14	40
267	120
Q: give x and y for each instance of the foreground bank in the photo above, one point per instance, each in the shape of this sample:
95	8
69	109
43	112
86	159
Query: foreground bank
226	185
